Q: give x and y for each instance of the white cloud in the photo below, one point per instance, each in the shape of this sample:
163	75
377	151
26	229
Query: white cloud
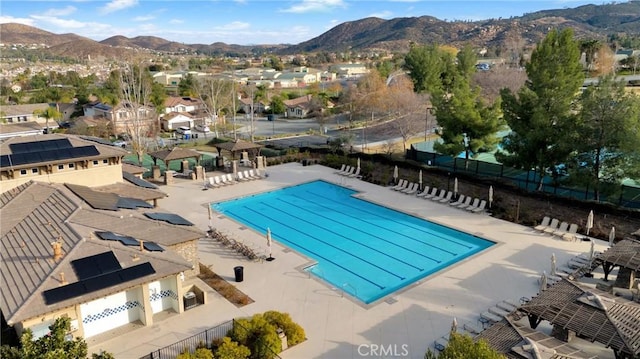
18	20
116	5
60	12
383	14
233	26
176	21
144	18
62	24
315	6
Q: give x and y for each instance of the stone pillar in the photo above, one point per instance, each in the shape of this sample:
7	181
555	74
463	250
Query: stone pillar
147	318
259	162
199	173
155	170
184	166
168	177
234	167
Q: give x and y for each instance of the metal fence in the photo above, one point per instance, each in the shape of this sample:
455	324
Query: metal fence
621	195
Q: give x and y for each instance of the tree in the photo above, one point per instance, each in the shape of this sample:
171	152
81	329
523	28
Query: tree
49	113
609	134
541	117
277	105
464	347
216	95
425	66
468	124
590	48
187	86
231	350
51	346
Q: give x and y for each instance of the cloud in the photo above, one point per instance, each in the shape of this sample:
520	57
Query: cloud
144	18
383	14
18	20
176	21
63	24
233	26
60	12
315	6
116	5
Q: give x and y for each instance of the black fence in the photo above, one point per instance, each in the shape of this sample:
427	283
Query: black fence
621	195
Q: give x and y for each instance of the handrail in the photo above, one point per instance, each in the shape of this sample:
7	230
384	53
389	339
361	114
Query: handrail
346	284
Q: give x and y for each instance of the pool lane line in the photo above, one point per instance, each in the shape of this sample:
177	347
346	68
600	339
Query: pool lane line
323	257
372	235
420	229
386	229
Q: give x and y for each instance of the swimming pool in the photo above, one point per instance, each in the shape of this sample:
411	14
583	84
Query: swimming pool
365	249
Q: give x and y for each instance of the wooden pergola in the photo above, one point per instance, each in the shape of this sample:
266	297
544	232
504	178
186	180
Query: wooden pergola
624	254
238	146
589	313
516	341
176	153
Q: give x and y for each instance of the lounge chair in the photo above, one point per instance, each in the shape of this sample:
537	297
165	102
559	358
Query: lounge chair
411	189
499	312
401	184
545	223
479	208
344	166
466	203
476	203
507	305
440	195
562	230
355	174
230	179
472	329
487	318
346	171
351	170
447	198
433	193
441	343
241	178
553	226
404	186
424	192
459	201
571	234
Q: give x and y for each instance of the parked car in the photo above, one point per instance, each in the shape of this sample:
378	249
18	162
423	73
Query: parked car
203	128
183	130
120	143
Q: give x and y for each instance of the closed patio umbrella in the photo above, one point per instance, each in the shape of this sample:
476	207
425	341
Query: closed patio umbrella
358	162
589	221
269	244
490	195
592	250
210	217
420	179
543	282
553	264
455	186
454	325
612	236
395	174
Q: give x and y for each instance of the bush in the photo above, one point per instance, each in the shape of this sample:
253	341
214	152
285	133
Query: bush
294	332
257	335
200	353
229	349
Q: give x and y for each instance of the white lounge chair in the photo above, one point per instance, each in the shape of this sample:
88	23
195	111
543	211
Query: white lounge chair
344	166
543	225
413	188
355	174
433	193
440	195
254	174
346	171
459	201
571	234
476	203
447	198
466	203
401	184
562	230
553	226
424	192
230	179
240	177
479	208
404	186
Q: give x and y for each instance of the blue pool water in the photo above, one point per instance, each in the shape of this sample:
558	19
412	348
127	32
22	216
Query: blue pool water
365	249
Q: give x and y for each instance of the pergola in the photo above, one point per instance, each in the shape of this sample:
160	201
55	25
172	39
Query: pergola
589	313
516	341
625	254
238	146
176	153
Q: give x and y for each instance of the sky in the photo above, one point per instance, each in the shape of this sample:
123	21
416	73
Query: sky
244	22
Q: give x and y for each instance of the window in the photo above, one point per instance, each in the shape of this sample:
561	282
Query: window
23	172
60	167
72	165
35	171
105	161
95	162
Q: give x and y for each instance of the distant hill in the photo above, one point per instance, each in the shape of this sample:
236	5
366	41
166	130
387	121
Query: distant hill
588	21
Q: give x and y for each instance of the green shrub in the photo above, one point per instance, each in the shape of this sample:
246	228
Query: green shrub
229	349
294	332
257	335
200	353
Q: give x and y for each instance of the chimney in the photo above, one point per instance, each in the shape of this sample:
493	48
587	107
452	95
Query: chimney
141	246
62	280
57	251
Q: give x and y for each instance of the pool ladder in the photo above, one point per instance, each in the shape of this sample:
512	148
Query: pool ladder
355	291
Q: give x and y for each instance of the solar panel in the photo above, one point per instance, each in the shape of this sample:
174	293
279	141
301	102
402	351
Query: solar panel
95	265
25	158
103	281
169	217
99	140
132	203
153	247
40	146
108	236
129	241
137	181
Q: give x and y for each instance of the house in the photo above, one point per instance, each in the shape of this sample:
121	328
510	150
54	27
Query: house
182	104
103	269
20	129
25	113
58	158
173	120
289	80
349	71
123	116
245	105
299	107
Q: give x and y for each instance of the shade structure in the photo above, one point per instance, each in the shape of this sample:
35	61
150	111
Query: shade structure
490	196
454	325
543	282
553	264
589	224
455	186
612	236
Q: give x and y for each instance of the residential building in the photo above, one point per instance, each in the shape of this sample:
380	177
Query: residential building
349	71
26	113
123	116
182	104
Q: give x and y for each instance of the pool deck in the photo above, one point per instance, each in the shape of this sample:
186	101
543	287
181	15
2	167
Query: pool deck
337	326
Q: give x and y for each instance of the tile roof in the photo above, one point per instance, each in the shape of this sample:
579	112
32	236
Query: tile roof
625	253
21	110
35	214
132	191
182	100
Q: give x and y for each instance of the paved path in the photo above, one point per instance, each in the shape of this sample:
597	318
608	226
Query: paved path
336	326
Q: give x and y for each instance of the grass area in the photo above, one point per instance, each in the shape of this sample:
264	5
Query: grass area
224	288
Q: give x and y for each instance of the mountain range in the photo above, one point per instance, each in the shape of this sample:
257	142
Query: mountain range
394	35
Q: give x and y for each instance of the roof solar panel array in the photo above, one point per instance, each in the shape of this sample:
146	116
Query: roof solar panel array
137	181
39	146
58	154
168	217
95	265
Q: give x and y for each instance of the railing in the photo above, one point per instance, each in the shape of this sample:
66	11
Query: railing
200	340
355	291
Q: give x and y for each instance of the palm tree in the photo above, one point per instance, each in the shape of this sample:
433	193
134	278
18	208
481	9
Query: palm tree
49	113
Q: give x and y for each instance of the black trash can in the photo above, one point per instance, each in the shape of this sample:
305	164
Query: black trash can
239	272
